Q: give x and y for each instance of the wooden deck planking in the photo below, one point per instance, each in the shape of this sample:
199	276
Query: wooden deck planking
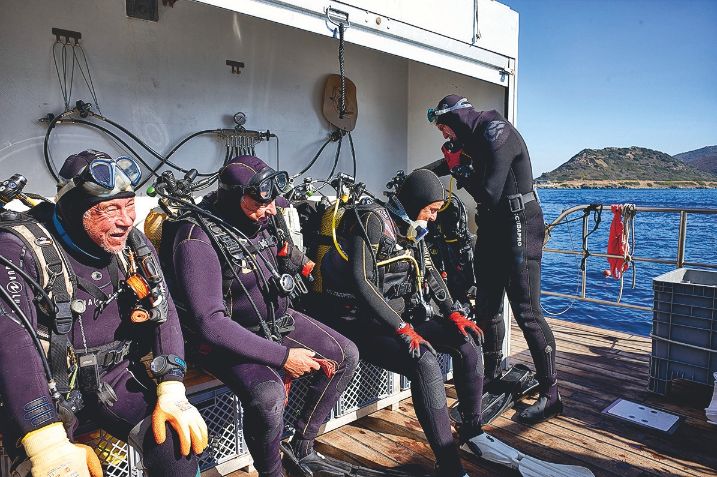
595	367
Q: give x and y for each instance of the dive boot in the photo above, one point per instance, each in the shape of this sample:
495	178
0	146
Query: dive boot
542	410
502	394
311	465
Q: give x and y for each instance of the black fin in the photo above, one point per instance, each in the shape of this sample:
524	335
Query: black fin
501	394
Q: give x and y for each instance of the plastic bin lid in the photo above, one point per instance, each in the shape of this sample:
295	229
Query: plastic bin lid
689	276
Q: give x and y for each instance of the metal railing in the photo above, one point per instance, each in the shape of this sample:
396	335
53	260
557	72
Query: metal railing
585	253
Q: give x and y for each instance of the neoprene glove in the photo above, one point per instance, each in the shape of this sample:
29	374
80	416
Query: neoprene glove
53	455
452	154
413	340
465	325
173	408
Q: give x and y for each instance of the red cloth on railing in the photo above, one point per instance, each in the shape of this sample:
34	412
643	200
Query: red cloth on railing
617	245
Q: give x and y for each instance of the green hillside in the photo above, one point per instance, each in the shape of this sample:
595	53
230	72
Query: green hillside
625	164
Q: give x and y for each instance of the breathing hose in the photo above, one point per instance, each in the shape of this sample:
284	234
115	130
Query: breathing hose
51	385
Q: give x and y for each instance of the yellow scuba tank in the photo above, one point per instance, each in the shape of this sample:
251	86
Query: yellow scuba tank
153	226
326	241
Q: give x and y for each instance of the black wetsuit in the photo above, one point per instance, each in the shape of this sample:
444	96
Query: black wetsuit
510	237
369	308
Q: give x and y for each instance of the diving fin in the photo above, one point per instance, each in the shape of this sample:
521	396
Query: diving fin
319	465
502	394
493	450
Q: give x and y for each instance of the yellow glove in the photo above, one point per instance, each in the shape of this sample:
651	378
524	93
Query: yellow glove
53	455
173	408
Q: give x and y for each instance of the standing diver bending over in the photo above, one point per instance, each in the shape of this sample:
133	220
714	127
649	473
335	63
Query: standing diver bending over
385	285
234	282
489	158
86	253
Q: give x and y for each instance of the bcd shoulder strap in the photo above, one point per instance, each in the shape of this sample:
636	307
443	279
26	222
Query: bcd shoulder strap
55	276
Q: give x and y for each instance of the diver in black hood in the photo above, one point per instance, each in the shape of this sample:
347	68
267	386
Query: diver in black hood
489	158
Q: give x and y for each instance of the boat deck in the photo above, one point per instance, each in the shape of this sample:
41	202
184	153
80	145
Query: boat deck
595	368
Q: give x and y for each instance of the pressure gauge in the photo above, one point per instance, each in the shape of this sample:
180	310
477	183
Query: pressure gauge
240	118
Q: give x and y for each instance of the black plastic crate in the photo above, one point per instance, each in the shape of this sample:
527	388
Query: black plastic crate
684	328
369	384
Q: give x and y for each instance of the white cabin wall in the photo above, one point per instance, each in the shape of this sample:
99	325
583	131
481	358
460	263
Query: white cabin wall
167	79
493	26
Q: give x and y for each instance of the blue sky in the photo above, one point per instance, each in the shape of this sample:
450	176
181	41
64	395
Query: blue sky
599	73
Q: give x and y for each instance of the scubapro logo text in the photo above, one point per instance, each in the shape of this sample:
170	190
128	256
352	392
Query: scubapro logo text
518	231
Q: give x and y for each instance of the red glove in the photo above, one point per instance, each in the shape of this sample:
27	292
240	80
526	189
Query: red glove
306	270
465	325
413	340
453	158
328	366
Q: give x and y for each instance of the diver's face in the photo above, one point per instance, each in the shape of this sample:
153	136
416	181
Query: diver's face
109	223
430	212
256	210
447	131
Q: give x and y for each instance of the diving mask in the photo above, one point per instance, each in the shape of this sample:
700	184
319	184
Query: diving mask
265	186
432	113
106	177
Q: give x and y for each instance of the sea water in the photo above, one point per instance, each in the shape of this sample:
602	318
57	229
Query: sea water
655	236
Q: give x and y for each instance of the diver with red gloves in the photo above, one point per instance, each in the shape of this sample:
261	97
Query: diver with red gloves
382	291
489	158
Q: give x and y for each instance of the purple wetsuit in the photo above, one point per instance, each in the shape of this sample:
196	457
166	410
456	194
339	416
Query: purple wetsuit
23	385
250	364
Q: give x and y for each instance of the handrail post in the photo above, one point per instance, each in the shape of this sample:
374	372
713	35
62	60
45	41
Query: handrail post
583	291
682	239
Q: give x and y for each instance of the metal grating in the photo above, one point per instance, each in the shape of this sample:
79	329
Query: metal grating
444	361
113	453
369	384
297	400
221	411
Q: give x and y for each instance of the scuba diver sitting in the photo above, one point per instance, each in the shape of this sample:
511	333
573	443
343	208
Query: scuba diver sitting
233	269
489	158
389	299
84	279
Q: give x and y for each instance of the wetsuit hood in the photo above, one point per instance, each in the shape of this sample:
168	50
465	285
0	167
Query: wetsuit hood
421	188
71	207
228	208
463	121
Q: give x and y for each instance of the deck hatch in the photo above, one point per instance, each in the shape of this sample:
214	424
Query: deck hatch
643	415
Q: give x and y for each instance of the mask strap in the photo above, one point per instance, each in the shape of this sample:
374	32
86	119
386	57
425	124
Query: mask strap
461	104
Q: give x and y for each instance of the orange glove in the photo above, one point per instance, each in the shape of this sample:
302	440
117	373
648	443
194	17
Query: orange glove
93	462
465	325
53	455
413	340
173	408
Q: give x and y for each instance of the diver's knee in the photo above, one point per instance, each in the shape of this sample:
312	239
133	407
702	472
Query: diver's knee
430	379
